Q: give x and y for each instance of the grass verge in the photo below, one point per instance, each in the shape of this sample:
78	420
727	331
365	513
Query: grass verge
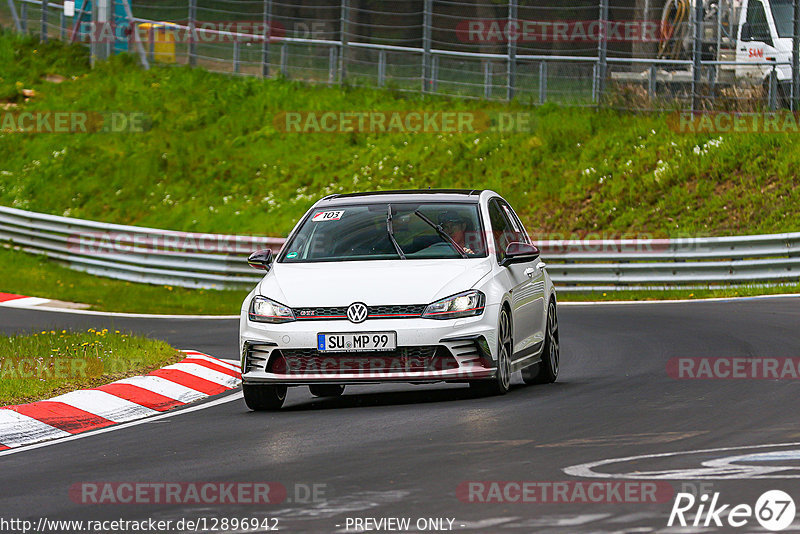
44	364
33	276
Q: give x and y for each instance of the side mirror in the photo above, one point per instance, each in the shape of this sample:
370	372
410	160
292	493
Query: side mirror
260	259
746	34
520	253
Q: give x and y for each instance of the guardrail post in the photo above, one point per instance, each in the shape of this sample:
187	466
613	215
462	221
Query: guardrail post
427	16
23	15
284	60
381	67
101	18
267	35
511	70
602	51
697	54
44	20
343	39
796	58
651	82
542	82
772	97
435	73
192	32
13	9
487	79
332	62
236	52
151	41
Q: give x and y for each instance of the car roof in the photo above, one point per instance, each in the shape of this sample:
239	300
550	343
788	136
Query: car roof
404	195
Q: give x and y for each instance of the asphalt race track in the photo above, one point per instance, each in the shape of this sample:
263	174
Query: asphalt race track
402	451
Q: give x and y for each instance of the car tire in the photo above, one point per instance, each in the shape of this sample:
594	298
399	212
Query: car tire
500	384
326	390
262	398
546	371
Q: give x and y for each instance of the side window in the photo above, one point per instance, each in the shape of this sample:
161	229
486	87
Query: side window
521	234
757	22
501	229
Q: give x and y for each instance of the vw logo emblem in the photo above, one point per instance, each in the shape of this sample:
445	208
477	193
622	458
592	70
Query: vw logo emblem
357	312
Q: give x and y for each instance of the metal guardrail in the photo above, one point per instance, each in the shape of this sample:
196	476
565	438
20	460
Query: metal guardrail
135	253
198	260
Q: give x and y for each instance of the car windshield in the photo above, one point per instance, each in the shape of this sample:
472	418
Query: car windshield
382	231
783	14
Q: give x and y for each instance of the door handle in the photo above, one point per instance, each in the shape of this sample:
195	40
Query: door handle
529	272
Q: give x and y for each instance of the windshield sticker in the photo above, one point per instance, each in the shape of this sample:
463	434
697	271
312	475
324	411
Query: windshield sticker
291	255
328	216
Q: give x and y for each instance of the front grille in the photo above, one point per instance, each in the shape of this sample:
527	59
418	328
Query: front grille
392	311
403	359
320	313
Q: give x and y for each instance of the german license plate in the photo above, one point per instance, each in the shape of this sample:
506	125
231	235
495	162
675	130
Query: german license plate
357	342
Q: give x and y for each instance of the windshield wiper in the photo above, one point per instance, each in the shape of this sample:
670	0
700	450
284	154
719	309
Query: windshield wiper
390	230
442	233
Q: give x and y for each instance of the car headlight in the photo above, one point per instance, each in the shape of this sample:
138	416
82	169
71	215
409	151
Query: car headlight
464	304
264	310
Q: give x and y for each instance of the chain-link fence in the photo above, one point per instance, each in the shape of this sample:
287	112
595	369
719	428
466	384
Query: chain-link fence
732	55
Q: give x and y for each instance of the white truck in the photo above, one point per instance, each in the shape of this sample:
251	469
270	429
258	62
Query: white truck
756	34
765	36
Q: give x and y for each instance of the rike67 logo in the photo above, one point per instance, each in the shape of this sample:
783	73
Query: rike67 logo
774	510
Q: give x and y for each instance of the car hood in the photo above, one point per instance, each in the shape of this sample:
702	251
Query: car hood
380	282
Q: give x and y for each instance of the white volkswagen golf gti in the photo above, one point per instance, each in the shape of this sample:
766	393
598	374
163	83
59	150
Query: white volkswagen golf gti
399	286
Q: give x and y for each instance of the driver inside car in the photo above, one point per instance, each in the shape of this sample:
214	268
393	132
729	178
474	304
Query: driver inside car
456	227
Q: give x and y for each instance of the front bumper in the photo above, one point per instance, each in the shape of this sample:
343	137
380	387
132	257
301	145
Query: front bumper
428	351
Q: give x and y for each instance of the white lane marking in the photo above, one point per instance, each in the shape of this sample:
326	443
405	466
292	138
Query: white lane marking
165	387
200	361
676	301
9	304
229	364
587	470
230	398
485	523
25	302
17	429
206	373
105	405
559	521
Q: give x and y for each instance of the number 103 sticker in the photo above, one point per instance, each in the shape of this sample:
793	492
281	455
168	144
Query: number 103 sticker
327	216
